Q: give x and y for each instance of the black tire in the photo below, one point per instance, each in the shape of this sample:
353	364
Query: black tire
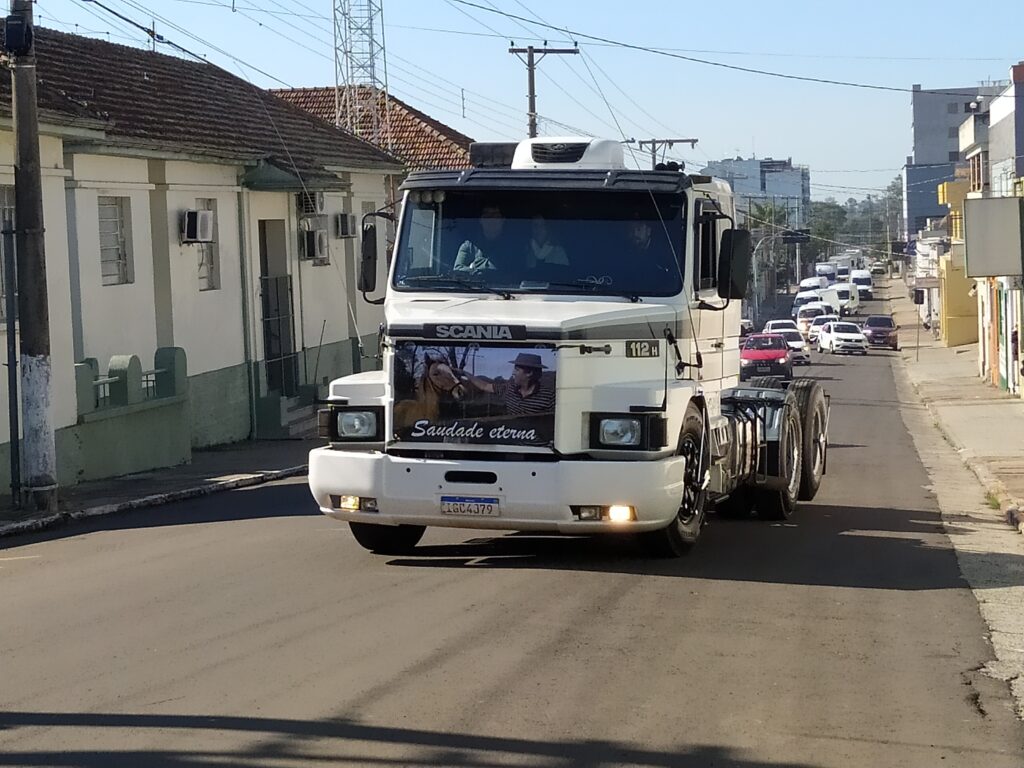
784	461
679	536
810	399
387	539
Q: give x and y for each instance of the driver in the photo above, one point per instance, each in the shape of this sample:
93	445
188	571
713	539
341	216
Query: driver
487	253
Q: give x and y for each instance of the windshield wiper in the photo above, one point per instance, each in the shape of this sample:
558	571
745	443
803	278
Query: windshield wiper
592	286
456	280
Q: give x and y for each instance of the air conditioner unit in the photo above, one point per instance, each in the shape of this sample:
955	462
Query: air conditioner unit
310	203
313	244
345	224
197	227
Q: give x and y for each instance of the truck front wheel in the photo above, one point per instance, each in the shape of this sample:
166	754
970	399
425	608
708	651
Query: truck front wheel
387	539
679	536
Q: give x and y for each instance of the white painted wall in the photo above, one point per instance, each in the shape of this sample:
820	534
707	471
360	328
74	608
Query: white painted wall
207	323
64	410
116	319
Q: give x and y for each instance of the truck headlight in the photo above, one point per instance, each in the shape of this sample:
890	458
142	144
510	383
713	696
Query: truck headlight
619	432
357	425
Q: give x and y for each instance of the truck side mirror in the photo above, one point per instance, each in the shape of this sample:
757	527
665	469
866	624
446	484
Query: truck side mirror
734	264
368	259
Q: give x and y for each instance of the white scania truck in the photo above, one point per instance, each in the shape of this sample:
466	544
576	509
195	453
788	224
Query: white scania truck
560	353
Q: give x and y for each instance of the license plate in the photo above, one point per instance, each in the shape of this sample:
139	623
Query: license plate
473	506
764	369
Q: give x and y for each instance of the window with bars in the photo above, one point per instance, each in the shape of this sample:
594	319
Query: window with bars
6	217
209	260
115	240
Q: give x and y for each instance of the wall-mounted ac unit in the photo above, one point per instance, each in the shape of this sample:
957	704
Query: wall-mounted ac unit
313	244
197	227
345	225
310	203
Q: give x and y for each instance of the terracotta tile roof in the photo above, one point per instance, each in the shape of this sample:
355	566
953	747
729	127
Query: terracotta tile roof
153	100
419	140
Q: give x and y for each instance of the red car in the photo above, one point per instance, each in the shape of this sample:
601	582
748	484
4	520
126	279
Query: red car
765	354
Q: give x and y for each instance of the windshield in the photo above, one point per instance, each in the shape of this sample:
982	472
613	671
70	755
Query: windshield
823	319
793	336
810	312
845	328
879	322
542	242
765	342
843	293
862	280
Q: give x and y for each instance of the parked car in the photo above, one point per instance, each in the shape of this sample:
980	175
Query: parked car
881	331
879	268
776	326
805	315
799	349
842	337
765	354
815	326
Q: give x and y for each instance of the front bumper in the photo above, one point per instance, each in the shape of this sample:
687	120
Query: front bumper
534	496
850	346
765	369
882	341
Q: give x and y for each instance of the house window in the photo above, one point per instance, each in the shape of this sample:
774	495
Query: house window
6	218
207	255
952	107
954	156
954	132
115	240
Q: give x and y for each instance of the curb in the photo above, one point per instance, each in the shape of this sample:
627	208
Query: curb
153	500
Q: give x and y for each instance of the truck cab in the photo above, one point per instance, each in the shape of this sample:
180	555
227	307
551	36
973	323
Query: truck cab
560	344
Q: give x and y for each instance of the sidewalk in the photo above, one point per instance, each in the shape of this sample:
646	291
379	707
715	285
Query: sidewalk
211	471
983	423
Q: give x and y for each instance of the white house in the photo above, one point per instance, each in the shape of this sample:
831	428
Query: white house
164	340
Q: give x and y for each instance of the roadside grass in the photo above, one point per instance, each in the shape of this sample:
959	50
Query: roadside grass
992	500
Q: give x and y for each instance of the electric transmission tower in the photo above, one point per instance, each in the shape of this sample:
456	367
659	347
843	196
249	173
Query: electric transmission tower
361	71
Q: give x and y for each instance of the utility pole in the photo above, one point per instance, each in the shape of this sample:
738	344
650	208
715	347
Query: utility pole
533	58
656	144
40	481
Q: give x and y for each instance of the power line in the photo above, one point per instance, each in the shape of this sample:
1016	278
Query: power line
708	62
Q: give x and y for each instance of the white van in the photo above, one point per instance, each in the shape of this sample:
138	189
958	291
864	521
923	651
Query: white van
813	283
849	298
802	298
830	297
865	285
825	269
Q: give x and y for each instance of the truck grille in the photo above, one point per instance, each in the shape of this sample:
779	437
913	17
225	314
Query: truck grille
558	153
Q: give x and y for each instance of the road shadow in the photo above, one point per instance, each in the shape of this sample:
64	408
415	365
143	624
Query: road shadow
340	742
822	545
284	498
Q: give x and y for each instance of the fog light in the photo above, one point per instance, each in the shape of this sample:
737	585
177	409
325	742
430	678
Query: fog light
347	502
619	513
590	513
368	504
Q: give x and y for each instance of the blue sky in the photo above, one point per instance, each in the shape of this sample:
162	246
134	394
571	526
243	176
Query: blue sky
852	138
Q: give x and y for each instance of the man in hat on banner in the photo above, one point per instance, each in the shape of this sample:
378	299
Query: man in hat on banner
526	393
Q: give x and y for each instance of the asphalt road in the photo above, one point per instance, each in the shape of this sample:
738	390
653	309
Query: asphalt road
245	629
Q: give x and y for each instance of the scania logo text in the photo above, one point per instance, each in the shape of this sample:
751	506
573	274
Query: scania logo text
491	332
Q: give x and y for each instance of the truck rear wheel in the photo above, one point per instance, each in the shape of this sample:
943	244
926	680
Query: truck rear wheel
387	539
679	536
785	463
813	415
